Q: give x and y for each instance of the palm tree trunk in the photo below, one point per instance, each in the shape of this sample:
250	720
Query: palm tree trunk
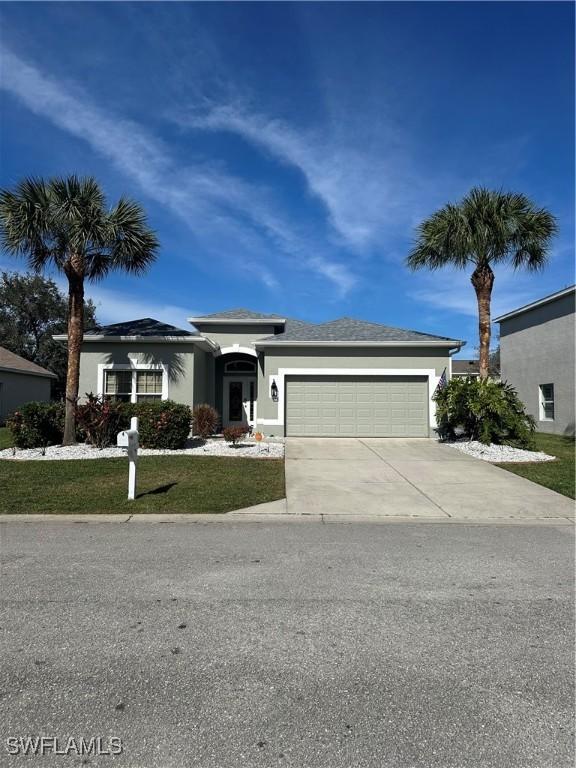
483	279
75	338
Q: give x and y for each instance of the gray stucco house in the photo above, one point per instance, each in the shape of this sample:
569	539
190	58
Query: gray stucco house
537	356
465	369
470	369
281	376
21	382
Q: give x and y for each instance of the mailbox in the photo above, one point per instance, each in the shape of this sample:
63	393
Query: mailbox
127	439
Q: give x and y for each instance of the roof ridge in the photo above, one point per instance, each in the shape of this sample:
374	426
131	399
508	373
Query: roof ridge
239	311
349	318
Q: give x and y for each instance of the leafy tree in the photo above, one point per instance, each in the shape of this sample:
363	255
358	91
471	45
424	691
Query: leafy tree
485	229
65	223
32	308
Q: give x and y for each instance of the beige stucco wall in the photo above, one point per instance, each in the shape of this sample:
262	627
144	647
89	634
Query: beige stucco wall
16	389
344	358
203	391
179	359
192	369
228	335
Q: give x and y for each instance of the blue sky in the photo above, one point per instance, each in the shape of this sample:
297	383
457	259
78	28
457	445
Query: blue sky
285	152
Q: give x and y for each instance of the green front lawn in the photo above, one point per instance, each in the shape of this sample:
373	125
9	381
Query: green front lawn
5	438
557	475
192	484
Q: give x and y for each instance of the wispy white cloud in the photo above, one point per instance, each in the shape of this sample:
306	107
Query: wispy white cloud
116	306
365	190
451	291
221	210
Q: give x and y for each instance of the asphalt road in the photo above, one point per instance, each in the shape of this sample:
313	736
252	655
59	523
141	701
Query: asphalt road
231	645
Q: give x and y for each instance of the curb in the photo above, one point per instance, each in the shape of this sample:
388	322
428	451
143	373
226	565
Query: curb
246	516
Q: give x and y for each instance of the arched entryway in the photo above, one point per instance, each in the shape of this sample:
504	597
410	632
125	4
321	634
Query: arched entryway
236	388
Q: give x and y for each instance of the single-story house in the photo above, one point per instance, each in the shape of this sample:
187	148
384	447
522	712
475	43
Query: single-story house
21	382
281	376
462	369
537	356
470	369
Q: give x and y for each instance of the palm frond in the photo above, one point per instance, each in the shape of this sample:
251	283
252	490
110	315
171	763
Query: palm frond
48	221
485	227
25	222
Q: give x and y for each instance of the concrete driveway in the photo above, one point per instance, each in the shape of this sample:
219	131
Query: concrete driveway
380	477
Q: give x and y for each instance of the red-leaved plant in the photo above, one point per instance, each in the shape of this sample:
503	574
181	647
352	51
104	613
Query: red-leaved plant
235	434
204	420
99	420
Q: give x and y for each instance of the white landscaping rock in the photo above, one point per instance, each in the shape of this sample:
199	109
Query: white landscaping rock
498	454
245	449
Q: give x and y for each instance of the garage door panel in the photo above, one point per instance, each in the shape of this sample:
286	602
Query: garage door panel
354	407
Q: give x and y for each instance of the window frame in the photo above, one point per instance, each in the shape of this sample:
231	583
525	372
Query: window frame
546	402
237	372
119	396
134	368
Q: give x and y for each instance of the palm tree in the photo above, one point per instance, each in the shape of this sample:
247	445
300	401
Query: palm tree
65	223
486	228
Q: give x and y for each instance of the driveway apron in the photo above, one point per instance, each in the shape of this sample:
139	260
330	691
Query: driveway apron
380	477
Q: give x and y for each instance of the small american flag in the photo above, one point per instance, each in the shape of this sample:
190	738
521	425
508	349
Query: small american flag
442	383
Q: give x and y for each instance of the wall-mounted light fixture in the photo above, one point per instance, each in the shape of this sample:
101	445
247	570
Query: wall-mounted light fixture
274	391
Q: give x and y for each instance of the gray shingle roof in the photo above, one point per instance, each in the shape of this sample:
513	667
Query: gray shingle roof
10	361
292	326
465	366
348	329
147	326
239	314
344	329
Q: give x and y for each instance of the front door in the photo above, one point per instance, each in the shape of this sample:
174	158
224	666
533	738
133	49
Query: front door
239	400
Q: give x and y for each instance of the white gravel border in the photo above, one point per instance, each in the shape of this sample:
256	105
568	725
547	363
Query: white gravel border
498	454
267	449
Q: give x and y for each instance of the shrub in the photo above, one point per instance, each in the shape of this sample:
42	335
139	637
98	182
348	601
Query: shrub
485	410
234	434
204	420
99	420
161	423
36	425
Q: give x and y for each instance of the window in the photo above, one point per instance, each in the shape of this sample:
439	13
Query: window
546	402
148	385
134	385
118	385
240	366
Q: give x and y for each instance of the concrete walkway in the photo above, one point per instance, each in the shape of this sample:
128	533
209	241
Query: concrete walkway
375	477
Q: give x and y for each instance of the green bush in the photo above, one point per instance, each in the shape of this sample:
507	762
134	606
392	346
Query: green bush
484	410
99	420
36	425
205	420
161	423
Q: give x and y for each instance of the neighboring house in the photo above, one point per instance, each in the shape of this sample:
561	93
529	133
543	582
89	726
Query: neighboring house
537	344
21	382
281	376
470	369
465	369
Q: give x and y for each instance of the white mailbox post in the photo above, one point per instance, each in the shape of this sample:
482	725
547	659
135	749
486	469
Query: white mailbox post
129	439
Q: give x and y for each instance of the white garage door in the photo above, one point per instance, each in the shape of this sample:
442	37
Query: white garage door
344	406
